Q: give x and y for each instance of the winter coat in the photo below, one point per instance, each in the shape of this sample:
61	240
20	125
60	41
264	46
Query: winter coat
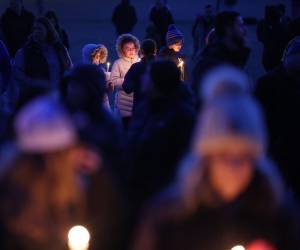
158	137
170	54
16	29
40	67
133	80
124	18
254	215
274	39
279	96
161	18
123	101
215	55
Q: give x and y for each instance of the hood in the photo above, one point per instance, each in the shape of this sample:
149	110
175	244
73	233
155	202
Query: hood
89	49
129	38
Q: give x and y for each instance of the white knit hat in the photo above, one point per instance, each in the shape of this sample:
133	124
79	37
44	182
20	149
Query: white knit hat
231	121
44	126
223	79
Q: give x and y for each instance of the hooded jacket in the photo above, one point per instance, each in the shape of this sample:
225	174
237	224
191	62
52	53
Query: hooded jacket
123	101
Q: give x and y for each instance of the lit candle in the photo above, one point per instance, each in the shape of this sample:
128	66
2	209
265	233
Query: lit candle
78	238
107	66
239	247
181	66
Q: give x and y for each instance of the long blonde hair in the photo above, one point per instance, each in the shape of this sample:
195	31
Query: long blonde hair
43	197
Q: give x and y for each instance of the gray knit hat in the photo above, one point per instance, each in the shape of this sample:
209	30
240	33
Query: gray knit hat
231	121
174	35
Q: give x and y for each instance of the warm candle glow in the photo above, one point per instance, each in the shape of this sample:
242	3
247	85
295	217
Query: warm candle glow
107	66
79	238
238	248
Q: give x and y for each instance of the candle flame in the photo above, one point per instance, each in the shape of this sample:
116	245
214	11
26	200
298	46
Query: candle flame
239	247
79	238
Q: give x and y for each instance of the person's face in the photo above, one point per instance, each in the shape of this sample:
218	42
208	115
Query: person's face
39	32
239	30
129	50
230	173
16	5
176	47
97	58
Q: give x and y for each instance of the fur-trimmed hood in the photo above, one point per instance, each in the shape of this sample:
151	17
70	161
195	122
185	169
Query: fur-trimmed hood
89	49
129	38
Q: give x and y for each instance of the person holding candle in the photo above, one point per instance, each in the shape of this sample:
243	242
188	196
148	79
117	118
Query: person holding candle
227	192
128	47
175	40
97	54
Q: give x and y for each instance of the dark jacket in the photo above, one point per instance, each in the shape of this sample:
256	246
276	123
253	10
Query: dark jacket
274	39
158	137
124	18
161	18
133	80
36	65
252	216
279	95
215	55
171	55
16	29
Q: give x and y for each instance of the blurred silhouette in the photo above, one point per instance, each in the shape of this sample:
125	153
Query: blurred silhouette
203	24
161	17
61	32
279	93
16	18
272	33
124	17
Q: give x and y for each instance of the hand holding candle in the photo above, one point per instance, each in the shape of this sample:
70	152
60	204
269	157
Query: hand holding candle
78	238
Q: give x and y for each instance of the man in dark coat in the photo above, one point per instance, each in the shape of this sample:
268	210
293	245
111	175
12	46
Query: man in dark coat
159	133
228	49
133	79
124	17
16	26
279	94
161	17
272	33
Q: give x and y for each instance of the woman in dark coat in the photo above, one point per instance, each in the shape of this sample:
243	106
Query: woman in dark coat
41	63
227	193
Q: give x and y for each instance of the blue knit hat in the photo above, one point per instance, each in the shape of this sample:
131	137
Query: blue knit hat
174	35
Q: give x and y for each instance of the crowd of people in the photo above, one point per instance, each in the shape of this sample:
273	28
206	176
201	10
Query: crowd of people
149	154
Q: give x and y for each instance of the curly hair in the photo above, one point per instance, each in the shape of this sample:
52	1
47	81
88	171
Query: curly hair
103	53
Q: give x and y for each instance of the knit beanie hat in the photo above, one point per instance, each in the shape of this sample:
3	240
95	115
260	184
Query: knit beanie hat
174	35
44	126
292	48
224	79
230	122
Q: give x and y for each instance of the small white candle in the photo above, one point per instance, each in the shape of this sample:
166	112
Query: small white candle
107	66
78	238
239	247
181	66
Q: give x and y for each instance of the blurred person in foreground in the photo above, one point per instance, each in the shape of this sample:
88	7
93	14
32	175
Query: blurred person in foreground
52	181
226	188
279	94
